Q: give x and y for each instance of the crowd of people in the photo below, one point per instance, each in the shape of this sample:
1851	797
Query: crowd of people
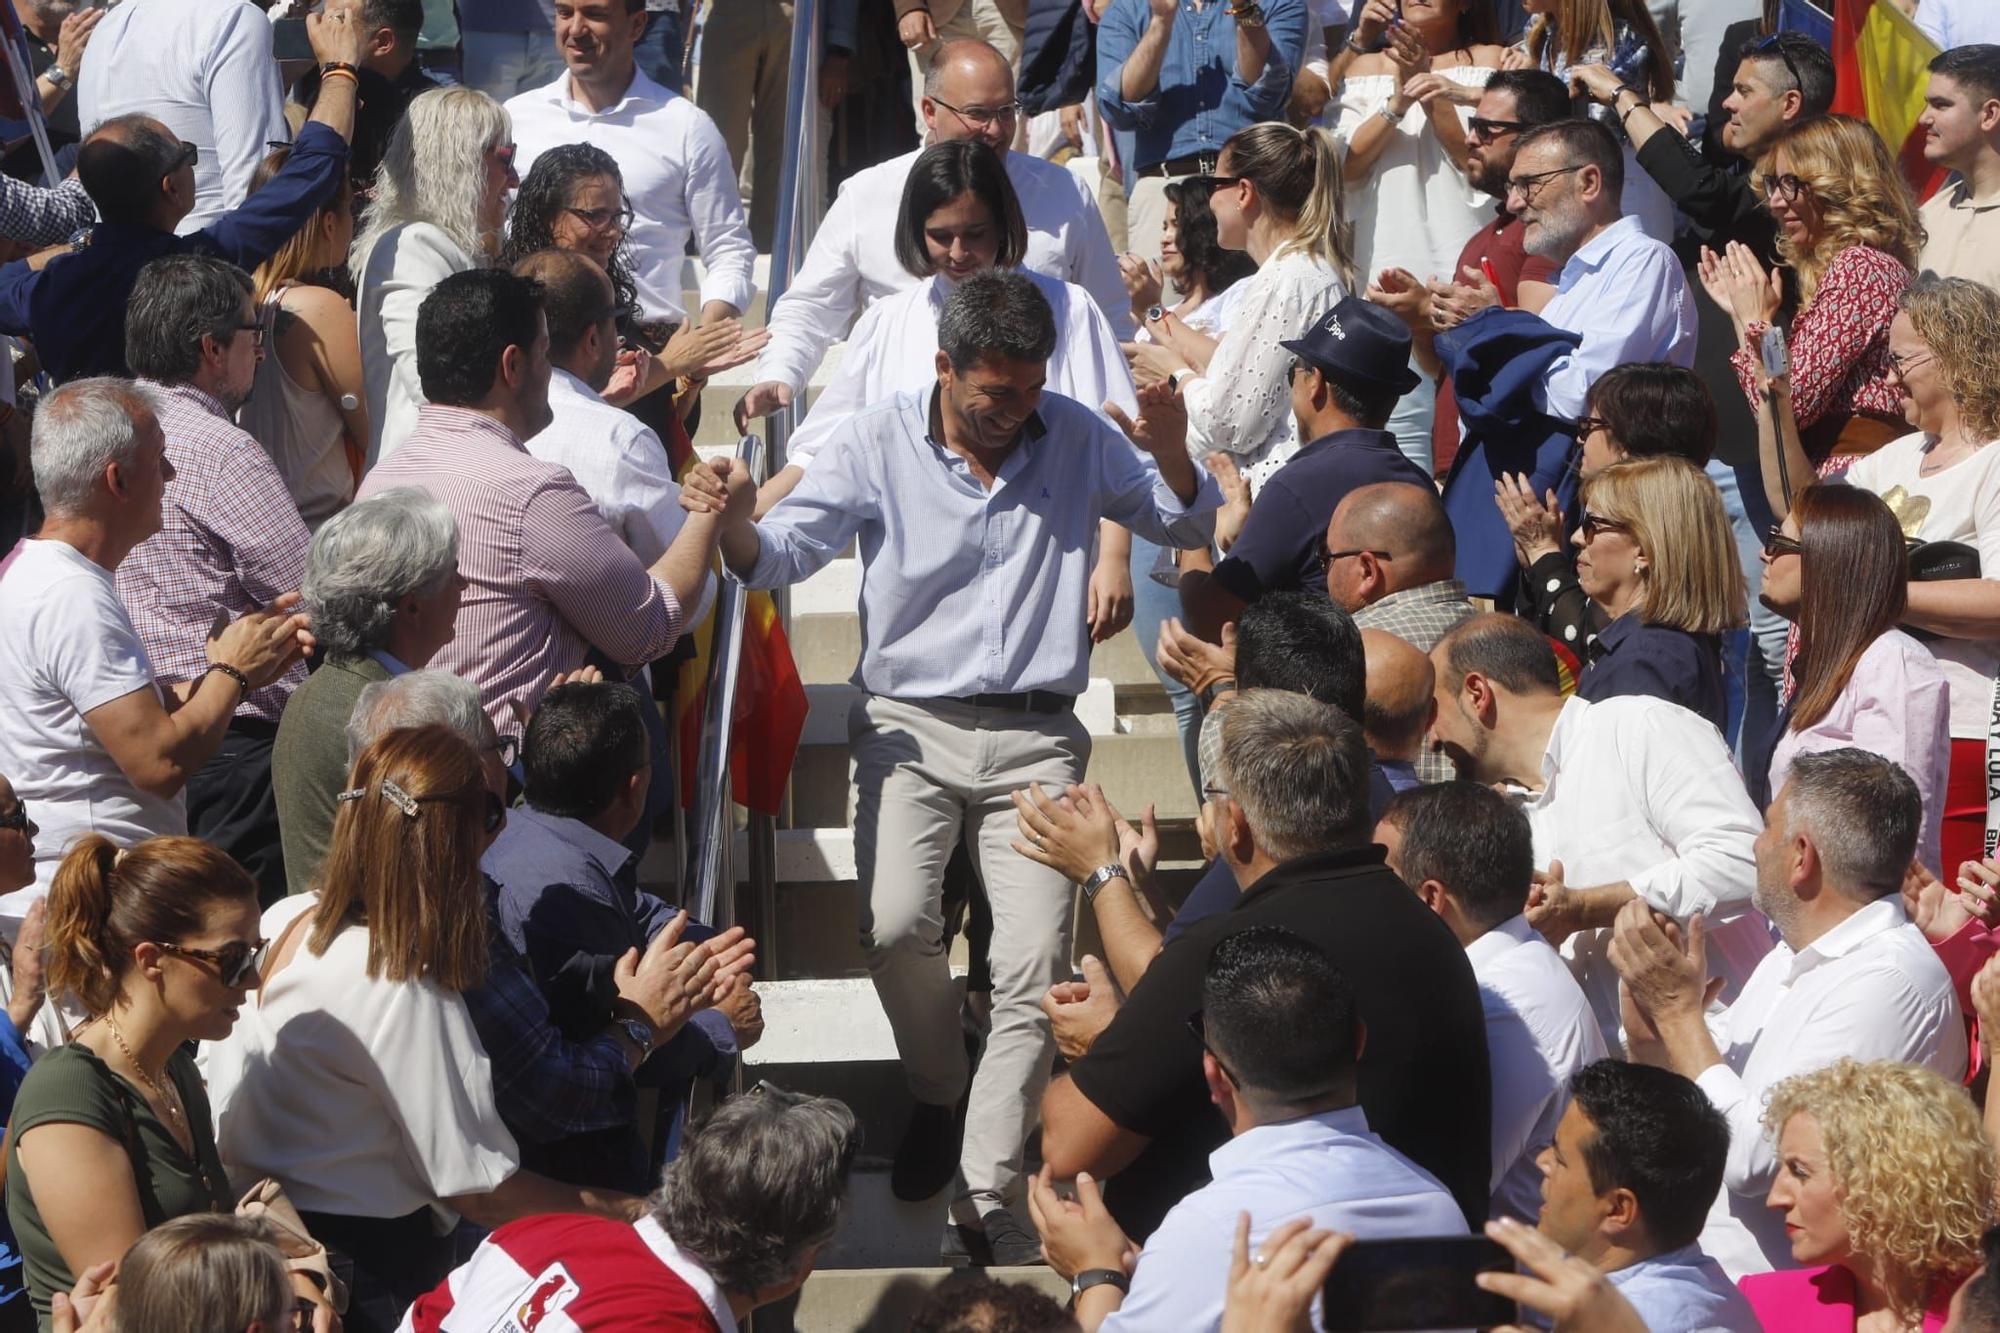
1464	402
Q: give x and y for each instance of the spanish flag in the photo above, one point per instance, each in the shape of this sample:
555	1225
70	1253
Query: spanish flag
770	713
1881	62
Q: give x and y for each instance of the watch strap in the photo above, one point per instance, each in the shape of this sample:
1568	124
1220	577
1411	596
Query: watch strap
1101	876
1212	689
1098	1277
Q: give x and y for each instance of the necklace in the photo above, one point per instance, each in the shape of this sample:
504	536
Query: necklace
170	1103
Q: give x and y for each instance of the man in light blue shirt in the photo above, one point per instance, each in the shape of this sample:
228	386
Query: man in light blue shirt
1627	1186
975	507
1281	1039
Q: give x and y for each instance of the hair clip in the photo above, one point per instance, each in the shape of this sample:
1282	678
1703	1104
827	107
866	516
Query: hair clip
351	794
391	793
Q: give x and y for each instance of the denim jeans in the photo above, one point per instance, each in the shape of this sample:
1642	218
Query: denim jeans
660	48
1753	659
1154	603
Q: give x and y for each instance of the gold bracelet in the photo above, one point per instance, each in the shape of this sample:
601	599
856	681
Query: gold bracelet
339	74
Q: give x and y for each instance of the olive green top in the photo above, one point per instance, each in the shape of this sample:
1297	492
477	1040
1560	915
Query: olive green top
71	1085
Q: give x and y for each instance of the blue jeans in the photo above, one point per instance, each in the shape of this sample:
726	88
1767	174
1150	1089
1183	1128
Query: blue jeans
1753	659
1153	603
660	48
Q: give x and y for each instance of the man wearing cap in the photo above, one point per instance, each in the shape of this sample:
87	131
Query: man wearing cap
1352	367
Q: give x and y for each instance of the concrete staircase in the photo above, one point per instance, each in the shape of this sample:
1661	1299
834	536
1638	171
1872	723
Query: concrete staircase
824	1030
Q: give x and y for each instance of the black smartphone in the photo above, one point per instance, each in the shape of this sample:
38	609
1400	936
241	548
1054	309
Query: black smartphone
289	40
1419	1283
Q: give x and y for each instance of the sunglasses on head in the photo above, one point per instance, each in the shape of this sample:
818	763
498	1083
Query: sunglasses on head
235	962
1772	46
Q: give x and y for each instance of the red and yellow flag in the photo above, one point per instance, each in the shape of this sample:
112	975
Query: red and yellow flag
1881	62
770	712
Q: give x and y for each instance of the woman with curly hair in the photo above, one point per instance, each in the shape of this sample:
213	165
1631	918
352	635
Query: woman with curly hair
1886	1183
574	199
1848	232
1192	260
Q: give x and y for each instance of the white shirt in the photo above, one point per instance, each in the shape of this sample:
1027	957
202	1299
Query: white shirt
1330	1167
1242	404
621	465
894	350
67	646
1871	988
1951	23
1640	790
1959	504
203	68
852	262
378	1099
1626	295
677	177
396	275
1539	1032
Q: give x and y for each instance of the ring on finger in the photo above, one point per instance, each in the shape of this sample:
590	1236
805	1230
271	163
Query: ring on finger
1260	1259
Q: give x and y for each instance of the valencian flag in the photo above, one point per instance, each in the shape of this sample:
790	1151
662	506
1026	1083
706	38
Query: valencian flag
1881	64
770	710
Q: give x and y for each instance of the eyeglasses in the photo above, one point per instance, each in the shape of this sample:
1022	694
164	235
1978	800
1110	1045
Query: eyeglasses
1197	1025
1210	184
1902	365
1211	792
235	962
981	115
1776	544
1326	557
1587	426
255	329
1530	186
1592	525
1790	187
602	219
188	155
1772	46
1486	130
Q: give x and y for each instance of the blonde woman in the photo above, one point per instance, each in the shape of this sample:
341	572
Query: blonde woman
1886	1184
440	207
1656	555
1276	195
305	405
1847	230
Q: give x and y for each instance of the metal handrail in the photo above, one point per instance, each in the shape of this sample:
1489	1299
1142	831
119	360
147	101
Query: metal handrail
709	870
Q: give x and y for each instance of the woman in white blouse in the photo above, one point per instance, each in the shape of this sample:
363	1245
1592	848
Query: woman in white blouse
439	208
356	1078
1400	113
1276	194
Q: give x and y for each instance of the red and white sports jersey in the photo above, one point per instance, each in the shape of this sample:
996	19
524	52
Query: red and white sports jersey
565	1273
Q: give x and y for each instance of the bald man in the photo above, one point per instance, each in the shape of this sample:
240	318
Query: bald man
928	28
1401	688
852	262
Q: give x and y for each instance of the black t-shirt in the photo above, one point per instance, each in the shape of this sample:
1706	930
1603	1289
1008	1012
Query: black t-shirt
1423	1075
1278	548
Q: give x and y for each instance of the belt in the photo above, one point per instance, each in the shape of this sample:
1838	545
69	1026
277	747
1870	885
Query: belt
1194	164
1027	701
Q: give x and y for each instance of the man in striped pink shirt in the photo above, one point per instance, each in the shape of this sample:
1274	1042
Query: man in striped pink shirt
550	585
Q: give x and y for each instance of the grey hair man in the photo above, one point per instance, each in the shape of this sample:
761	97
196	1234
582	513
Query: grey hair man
93	740
991	711
382	584
739	1221
1852	977
1292	824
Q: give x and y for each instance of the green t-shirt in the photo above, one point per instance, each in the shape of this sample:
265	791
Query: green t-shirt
71	1085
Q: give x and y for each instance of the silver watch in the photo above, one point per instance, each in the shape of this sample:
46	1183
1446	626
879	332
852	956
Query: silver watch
57	75
1104	875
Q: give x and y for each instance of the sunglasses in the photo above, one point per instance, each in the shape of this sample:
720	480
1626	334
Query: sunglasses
1197	1025
1327	558
1592	525
17	818
1210	184
1789	187
186	157
1486	130
1776	544
602	219
1588	426
235	962
1772	46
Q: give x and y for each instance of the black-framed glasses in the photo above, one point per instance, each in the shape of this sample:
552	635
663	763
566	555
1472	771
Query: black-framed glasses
601	219
17	818
1585	426
1903	365
235	962
1197	1025
1486	130
1776	543
255	328
1790	187
1209	183
981	115
1211	792
1529	186
1594	524
1773	46
1327	558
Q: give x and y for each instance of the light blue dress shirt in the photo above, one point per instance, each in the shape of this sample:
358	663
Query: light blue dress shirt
968	591
1685	1291
1626	295
1330	1167
1199	100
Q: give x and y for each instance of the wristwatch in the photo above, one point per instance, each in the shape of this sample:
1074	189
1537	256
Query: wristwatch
639	1031
1101	876
57	75
1214	688
1098	1277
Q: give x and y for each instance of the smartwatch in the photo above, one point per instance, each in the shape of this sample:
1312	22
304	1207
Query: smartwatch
1101	876
1098	1277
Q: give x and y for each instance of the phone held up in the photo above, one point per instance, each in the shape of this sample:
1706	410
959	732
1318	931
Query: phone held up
1379	1286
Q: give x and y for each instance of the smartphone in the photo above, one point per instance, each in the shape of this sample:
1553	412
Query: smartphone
1777	361
289	40
1418	1283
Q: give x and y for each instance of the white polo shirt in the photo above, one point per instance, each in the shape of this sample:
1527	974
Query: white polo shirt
677	177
